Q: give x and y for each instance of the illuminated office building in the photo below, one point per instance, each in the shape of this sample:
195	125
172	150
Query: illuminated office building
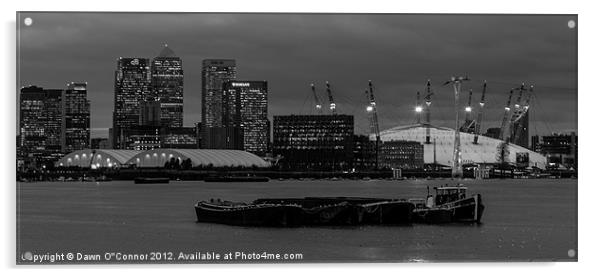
245	107
214	73
76	118
168	87
314	142
132	86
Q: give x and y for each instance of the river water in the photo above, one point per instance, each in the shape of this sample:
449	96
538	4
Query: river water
524	220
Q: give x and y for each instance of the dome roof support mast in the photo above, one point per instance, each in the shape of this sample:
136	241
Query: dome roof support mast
477	127
457	170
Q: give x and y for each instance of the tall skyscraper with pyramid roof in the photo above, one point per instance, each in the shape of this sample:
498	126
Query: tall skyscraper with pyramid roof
168	87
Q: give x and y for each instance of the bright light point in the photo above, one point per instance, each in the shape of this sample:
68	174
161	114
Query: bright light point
482	104
507	108
468	109
318	106
28	21
93	166
333	106
572	24
418	109
369	108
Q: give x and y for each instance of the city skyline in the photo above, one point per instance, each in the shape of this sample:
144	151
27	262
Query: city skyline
506	50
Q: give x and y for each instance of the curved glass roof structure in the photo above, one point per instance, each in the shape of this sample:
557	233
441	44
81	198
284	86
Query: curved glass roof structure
158	158
102	158
204	157
441	147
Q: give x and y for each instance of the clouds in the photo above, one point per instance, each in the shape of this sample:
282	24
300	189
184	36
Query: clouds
398	52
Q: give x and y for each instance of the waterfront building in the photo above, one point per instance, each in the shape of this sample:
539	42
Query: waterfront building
214	73
402	154
364	153
179	137
132	86
76	118
245	112
560	149
168	86
40	121
314	142
52	122
142	137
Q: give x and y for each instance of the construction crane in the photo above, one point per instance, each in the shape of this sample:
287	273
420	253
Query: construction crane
507	110
316	99
418	108
457	170
524	109
333	106
427	100
477	126
468	122
373	115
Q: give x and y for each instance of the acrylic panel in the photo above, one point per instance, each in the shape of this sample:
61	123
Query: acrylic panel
295	137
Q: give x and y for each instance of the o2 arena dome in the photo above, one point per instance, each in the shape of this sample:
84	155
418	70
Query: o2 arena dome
441	147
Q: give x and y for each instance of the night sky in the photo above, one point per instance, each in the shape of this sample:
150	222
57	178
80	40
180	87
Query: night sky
397	52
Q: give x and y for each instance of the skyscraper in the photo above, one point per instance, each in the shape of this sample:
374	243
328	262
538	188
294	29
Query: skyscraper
213	75
132	85
52	122
76	118
168	86
245	106
39	125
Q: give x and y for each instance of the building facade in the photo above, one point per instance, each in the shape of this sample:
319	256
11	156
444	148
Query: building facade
560	149
52	122
142	137
402	154
76	118
40	120
245	107
132	86
214	73
150	113
314	142
168	86
179	138
364	153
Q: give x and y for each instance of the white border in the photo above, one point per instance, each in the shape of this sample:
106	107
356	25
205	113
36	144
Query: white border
589	98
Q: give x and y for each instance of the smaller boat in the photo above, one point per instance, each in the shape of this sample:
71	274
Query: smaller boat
449	204
229	179
143	180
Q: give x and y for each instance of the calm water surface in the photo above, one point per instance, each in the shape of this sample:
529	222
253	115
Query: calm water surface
524	220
